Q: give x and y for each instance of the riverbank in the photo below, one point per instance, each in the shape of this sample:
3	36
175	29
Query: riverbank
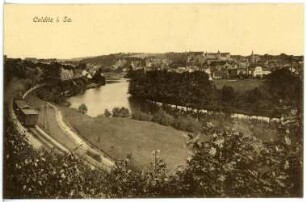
122	137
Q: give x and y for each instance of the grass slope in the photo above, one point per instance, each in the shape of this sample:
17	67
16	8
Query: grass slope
119	137
47	121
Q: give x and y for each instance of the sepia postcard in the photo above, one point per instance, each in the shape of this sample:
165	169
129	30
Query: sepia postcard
153	101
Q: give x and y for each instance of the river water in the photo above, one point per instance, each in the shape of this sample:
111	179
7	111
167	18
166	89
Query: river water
113	94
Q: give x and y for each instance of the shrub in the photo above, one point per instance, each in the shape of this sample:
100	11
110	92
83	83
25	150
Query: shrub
227	165
83	109
233	165
124	112
228	94
107	113
187	123
100	115
163	118
138	115
120	112
116	112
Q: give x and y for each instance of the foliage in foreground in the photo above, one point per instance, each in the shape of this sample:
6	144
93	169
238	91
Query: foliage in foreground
229	165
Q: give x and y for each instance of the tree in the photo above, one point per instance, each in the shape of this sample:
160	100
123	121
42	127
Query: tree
227	165
253	95
228	94
233	165
83	109
283	85
120	112
124	112
107	113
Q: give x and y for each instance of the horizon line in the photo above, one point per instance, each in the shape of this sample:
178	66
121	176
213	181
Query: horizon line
114	53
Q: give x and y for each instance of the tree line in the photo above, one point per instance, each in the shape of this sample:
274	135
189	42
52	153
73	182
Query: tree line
195	90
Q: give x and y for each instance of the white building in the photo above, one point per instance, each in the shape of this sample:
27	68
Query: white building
260	72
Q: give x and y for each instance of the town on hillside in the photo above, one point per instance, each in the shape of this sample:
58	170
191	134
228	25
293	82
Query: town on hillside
219	65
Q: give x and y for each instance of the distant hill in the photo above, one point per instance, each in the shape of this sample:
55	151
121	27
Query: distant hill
109	60
175	59
103	60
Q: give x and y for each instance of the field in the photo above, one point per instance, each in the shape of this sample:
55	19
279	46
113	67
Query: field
119	137
239	85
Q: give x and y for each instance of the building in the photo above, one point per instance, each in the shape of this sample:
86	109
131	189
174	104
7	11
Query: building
34	60
257	72
242	72
220	74
265	71
254	59
260	72
217	56
207	71
232	72
181	69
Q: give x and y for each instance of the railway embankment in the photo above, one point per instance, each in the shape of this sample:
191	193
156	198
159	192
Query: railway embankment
39	138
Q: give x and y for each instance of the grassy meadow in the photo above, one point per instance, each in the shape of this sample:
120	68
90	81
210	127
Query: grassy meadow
119	137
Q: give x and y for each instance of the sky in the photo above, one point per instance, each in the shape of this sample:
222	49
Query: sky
105	29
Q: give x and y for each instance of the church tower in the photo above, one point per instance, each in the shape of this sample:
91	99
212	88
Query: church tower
253	58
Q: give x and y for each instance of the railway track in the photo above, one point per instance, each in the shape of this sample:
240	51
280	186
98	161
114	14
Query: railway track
46	140
38	138
52	145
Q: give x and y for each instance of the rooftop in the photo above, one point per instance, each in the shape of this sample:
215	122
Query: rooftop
21	104
29	111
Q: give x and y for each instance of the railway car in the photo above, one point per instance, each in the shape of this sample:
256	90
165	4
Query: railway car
25	114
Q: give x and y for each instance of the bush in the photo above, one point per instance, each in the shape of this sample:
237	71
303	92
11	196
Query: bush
121	112
188	123
83	109
227	165
107	113
228	94
124	112
163	118
138	115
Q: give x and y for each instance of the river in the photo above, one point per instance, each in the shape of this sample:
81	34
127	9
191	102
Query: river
115	94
